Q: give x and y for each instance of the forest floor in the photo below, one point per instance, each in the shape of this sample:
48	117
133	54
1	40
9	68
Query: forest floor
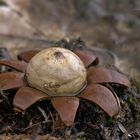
90	123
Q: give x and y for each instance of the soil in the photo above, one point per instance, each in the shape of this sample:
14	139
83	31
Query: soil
41	121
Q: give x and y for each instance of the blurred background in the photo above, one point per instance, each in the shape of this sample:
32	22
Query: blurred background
107	24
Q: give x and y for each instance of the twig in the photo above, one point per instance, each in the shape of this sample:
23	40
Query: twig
52	120
21	130
43	113
43	122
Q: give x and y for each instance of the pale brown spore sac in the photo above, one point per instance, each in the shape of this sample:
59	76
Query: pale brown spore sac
56	66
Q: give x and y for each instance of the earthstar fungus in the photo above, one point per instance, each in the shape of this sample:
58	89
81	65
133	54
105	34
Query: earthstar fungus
63	77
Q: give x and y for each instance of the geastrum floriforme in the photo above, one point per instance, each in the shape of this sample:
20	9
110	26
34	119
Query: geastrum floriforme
63	77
